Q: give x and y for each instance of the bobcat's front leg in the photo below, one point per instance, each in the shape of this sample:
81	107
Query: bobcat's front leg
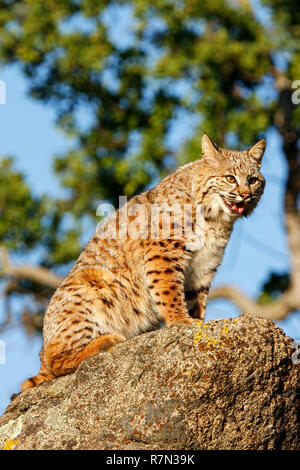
196	301
165	280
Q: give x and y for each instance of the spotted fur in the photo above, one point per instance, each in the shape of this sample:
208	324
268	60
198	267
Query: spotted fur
122	287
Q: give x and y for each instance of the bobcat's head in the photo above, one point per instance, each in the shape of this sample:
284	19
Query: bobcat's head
230	183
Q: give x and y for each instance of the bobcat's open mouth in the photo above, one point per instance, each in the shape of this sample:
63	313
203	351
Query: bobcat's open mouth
235	207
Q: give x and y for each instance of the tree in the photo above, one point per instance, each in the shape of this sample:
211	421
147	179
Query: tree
205	60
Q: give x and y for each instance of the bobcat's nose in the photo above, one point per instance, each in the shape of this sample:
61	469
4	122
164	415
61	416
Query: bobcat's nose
245	194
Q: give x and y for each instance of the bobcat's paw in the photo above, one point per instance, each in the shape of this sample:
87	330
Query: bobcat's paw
183	321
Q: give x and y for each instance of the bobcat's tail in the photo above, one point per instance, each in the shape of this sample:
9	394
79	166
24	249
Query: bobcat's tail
41	377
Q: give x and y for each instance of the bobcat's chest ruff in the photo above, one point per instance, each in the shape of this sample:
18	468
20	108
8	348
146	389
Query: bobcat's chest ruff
204	262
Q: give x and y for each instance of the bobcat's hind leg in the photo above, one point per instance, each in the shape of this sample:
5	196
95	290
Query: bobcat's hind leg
65	362
57	362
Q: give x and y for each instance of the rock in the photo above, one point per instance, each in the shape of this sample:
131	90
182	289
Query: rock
228	384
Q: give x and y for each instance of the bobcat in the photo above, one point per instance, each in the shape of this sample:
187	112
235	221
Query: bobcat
122	286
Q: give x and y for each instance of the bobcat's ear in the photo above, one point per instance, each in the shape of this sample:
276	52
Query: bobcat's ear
209	149
257	150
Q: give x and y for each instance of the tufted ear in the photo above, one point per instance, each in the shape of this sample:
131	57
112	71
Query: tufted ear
208	147
257	150
209	150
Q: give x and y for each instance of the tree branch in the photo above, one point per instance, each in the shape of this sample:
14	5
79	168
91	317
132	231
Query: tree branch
277	310
35	273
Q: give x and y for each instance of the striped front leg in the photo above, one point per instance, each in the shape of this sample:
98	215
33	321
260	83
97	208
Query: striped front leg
196	301
165	280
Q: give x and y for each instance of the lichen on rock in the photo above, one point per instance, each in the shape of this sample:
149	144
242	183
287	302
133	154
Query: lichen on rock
225	384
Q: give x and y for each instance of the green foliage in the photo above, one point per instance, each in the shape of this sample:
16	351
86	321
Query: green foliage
275	285
20	211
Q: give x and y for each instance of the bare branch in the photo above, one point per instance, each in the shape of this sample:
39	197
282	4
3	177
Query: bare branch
277	310
35	273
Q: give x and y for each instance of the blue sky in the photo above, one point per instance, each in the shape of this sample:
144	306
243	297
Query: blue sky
258	244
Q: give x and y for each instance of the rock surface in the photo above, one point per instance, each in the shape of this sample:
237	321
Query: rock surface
227	384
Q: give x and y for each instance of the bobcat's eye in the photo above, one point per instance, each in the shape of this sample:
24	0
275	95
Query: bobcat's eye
231	179
252	180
